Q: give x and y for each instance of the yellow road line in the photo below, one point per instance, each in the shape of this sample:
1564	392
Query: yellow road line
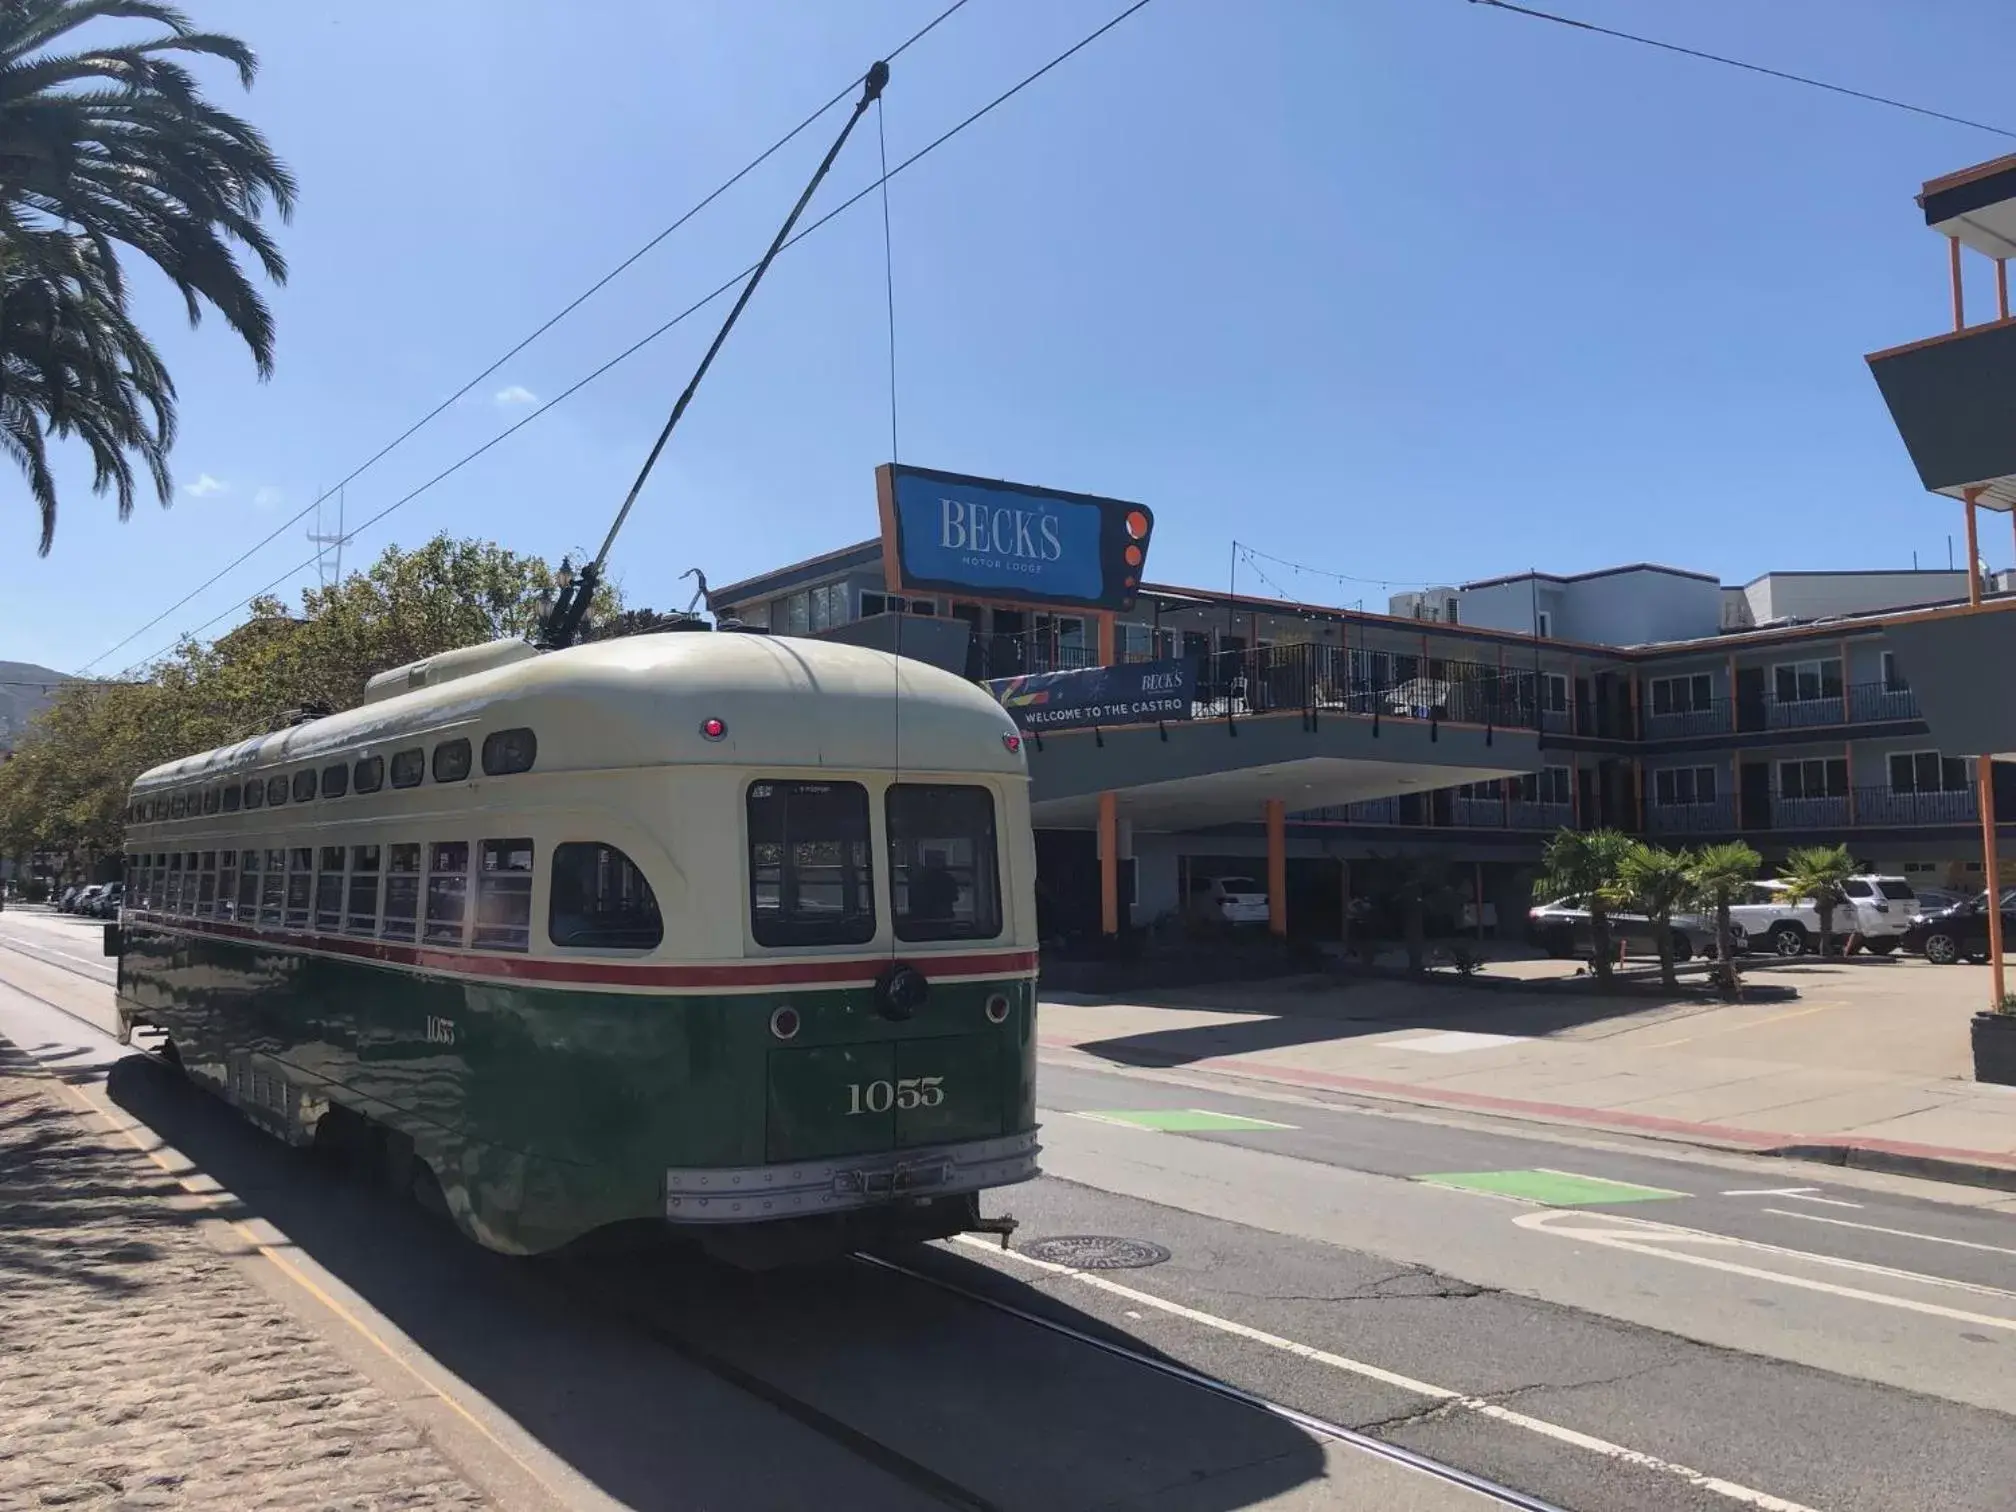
1774	1018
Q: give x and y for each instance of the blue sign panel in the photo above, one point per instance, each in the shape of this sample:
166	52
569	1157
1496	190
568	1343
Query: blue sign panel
1005	541
1132	693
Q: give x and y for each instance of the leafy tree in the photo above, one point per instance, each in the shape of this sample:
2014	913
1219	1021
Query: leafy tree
1722	874
1819	872
108	146
1657	883
1585	865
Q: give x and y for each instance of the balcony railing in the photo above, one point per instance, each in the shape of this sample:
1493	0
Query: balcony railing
1713	720
1809	813
1716	816
1860	703
1883	806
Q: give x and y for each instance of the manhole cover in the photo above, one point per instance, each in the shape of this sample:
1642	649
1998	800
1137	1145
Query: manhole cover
1096	1252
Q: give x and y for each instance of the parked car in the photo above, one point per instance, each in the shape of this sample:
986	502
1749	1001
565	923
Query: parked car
84	898
106	904
1561	928
1771	919
1227	900
1880	910
1959	933
67	899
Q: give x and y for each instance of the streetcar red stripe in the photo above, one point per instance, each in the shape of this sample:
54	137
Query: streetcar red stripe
564	971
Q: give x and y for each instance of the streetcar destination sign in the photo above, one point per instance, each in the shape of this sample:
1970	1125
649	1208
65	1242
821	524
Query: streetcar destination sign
990	539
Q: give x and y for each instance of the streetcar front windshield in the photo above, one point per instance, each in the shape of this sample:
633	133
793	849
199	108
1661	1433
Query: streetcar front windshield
810	875
944	876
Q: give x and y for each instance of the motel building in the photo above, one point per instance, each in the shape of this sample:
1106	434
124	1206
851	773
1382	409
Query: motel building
1179	735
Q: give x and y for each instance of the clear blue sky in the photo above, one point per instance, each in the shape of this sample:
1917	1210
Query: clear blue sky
1412	290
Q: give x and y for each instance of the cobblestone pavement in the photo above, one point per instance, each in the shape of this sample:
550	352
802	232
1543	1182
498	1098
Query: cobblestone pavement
140	1369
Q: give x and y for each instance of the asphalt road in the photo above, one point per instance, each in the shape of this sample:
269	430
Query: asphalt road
1600	1323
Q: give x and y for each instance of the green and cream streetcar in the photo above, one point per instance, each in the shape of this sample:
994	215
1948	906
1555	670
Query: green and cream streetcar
729	931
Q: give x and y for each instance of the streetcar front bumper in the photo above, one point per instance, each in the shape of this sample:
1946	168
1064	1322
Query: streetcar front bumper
846	1183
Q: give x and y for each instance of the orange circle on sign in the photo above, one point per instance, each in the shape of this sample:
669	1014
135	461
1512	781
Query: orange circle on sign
1133	556
1137	524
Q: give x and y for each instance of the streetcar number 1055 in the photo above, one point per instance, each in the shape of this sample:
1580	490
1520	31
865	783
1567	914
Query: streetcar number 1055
881	1096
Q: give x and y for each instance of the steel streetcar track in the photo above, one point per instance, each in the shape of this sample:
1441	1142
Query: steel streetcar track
1308	1422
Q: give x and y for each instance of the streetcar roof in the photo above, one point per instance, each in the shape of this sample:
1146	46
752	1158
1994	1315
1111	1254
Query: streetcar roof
643	700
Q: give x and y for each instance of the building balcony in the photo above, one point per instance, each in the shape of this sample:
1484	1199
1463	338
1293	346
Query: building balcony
1540	816
1869	702
1883	806
1715	817
1806	713
1809	813
1712	720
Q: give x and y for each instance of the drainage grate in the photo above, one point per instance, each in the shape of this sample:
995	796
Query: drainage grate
1096	1252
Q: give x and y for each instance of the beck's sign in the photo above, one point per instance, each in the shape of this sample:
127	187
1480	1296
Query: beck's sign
996	540
1131	693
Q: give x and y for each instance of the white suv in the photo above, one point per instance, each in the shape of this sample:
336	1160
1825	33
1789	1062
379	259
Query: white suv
1879	909
1884	908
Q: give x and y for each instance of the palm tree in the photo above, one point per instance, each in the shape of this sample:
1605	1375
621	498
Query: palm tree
1722	874
1657	883
1584	864
1819	872
115	145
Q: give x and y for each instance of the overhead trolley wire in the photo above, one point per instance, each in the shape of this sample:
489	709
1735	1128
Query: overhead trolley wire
559	315
1756	68
690	310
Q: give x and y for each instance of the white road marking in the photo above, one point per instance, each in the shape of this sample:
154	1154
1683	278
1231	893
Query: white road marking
1454	1041
1638	1239
1607	1181
1829	1201
1744	1495
1770	1191
1877	1228
30	948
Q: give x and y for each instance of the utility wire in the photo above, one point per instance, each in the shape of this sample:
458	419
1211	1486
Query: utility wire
1254	556
692	309
1756	68
568	309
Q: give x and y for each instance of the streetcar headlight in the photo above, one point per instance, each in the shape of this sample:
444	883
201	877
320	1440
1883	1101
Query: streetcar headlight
997	1008
784	1022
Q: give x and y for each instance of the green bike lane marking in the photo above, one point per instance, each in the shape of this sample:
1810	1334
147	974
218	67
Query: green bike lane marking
1181	1120
1551	1188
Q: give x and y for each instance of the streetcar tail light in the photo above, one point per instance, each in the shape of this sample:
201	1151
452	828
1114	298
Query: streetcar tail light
1012	742
713	729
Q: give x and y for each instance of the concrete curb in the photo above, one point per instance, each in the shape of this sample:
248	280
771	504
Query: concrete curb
1901	1163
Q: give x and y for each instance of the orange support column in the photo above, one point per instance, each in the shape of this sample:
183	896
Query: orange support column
1108	643
1277	867
1992	876
1109	864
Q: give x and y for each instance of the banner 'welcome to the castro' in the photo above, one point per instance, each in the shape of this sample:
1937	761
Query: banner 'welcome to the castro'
1132	693
989	539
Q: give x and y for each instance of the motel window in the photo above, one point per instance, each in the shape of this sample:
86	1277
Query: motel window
213	799
1549	785
1819	777
451	760
233	796
1681	786
1543	624
272	886
304	785
944	870
811	881
797	614
363	912
1682	695
508	751
1553	691
1929	772
504	895
248	887
369	774
206	887
1807	682
276	789
402	891
601	900
255	794
335	780
1893	675
227	880
300	885
408	767
329	888
447	891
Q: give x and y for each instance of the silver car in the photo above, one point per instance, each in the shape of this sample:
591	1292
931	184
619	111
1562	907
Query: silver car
1561	928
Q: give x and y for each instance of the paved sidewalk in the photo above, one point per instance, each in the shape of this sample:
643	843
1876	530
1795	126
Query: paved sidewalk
1864	1068
140	1369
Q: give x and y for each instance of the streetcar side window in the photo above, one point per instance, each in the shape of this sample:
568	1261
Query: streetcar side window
408	767
369	775
272	887
811	879
447	891
402	889
335	780
276	789
329	888
176	806
504	896
206	897
601	900
451	760
175	882
227	878
233	796
508	751
213	798
304	785
255	793
248	888
944	872
300	885
363	915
